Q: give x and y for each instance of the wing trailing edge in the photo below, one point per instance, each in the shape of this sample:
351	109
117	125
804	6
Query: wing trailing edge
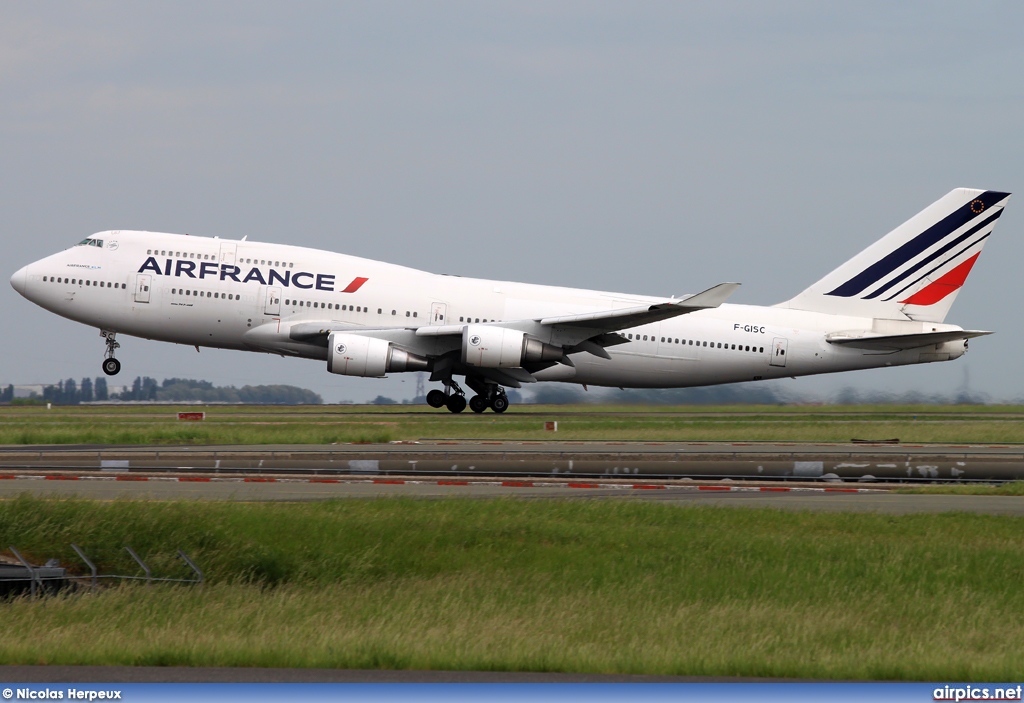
625	318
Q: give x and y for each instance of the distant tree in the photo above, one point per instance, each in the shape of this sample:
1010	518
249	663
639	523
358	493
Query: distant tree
144	388
70	392
8	394
85	391
188	383
382	400
560	394
278	395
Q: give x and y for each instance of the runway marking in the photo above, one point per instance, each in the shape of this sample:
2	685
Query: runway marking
443	482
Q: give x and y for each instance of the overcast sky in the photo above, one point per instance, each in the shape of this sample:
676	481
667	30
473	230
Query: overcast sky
654	148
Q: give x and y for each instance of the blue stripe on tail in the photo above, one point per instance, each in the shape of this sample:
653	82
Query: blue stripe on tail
918	244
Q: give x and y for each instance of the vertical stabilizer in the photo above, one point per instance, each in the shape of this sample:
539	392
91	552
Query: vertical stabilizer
915	271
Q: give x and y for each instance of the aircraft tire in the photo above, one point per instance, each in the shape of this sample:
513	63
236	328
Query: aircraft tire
456	403
478	403
436	399
499	403
111	366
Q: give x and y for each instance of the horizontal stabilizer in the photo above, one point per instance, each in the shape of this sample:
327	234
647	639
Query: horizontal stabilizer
896	342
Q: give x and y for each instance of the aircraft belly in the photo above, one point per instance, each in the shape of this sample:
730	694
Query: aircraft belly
630	370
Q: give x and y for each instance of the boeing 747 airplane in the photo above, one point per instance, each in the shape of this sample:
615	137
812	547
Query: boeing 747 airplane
883	307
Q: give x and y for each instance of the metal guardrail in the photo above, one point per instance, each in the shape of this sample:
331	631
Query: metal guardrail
52	577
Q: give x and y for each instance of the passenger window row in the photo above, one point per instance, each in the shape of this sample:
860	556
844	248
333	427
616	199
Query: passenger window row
204	293
81	282
267	262
210	257
328	306
698	343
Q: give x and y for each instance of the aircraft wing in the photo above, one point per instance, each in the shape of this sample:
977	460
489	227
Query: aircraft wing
898	342
626	318
592	332
587	332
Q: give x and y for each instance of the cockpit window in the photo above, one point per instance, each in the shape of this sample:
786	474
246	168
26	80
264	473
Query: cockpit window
90	242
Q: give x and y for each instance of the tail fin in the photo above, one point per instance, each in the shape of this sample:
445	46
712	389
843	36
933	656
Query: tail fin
915	271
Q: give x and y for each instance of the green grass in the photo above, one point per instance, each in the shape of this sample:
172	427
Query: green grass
582	586
330	424
1012	488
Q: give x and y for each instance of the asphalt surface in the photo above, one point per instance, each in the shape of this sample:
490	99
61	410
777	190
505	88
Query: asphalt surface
790	460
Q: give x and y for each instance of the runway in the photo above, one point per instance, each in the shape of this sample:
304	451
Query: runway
791	476
784	461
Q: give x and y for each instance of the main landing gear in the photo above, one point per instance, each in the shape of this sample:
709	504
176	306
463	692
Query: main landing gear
495	399
488	395
452	397
111	366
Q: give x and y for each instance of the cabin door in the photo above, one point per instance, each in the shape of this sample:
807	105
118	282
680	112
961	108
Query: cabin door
272	304
227	253
142	284
779	345
438	313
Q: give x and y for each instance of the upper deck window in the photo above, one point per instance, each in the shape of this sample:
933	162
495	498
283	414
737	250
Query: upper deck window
90	242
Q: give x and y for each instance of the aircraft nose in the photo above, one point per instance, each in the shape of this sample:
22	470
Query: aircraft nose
20	279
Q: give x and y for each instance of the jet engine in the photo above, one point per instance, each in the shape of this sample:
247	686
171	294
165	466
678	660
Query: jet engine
497	347
356	355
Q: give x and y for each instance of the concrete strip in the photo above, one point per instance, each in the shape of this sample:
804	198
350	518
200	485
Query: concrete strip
874	501
608	459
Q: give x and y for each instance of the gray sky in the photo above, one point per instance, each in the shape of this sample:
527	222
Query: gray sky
652	147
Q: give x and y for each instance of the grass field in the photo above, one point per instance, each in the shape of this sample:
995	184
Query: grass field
581	586
329	424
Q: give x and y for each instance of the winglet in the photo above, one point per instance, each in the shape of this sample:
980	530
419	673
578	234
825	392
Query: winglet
711	298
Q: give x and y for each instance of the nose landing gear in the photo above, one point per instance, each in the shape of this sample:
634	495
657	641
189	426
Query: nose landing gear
111	366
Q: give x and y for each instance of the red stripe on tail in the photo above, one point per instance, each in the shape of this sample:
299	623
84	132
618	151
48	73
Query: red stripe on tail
934	292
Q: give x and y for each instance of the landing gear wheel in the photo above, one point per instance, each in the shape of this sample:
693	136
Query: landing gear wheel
478	403
110	365
436	399
456	403
499	403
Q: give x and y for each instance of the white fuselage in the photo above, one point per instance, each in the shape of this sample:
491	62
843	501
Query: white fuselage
215	293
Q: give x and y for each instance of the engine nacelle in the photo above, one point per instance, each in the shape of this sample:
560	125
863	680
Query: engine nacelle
356	355
501	348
